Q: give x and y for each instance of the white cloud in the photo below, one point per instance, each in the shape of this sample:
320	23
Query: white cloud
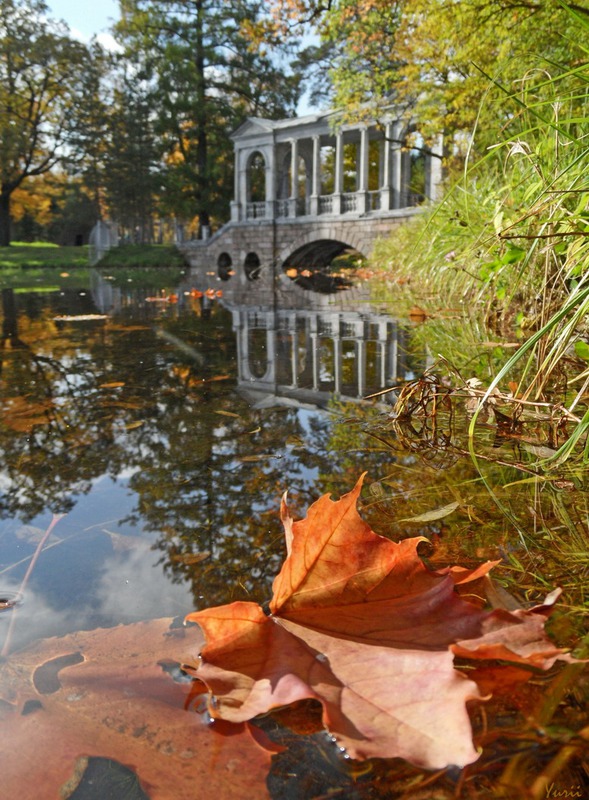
109	43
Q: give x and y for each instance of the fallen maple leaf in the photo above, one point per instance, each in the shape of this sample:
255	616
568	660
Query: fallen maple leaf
359	623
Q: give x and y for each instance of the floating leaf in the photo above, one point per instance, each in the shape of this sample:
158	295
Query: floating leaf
132	425
360	624
79	317
189	558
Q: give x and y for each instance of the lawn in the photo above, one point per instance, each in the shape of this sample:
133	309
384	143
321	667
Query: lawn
42	254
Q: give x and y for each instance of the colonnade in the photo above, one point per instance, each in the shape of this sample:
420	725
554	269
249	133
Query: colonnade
321	353
313	166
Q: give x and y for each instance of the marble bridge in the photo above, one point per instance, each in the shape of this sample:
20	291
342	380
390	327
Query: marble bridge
312	188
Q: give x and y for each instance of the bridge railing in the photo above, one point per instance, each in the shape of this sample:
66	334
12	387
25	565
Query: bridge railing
374	203
326	204
349	203
283	208
255	210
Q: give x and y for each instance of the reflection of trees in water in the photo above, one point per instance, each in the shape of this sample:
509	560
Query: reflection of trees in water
158	400
208	470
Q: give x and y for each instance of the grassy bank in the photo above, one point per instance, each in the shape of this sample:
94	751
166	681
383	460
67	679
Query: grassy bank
22	255
507	251
142	255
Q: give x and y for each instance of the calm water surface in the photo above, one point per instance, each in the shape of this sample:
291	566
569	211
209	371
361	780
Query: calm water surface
162	424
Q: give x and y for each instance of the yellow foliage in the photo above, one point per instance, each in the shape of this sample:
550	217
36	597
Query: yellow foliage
31	199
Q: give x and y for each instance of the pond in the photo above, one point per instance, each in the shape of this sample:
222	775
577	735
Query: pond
150	424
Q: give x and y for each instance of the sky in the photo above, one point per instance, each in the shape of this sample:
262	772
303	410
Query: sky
87	18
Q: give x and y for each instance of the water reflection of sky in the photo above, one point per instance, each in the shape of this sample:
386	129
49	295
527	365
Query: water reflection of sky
163	450
94	571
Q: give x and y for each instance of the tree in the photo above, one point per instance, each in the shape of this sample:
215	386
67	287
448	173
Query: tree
207	76
438	59
132	168
40	68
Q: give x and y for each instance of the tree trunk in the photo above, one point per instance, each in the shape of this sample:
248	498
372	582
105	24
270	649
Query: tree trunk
201	124
4	218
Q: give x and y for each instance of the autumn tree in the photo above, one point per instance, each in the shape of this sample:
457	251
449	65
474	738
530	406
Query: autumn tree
132	164
207	76
40	86
439	60
91	134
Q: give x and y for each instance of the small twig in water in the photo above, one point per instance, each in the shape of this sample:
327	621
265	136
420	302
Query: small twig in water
25	580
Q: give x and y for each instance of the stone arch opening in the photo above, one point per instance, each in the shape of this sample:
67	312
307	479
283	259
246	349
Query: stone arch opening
324	265
251	266
256	178
224	264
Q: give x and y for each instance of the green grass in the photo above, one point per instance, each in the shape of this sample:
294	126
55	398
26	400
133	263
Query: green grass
42	254
142	255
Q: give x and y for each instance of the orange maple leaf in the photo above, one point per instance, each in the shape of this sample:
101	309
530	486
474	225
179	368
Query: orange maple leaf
359	623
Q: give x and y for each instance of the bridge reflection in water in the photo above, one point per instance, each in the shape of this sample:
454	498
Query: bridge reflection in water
312	355
306	347
298	346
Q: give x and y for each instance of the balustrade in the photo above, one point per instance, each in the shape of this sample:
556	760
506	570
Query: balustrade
282	208
349	203
256	210
288	161
326	204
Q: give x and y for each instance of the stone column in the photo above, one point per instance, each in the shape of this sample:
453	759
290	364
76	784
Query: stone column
363	201
241	159
396	154
339	173
405	178
316	176
386	191
361	366
236	202
294	178
314	336
337	364
270	376
433	169
394	353
270	158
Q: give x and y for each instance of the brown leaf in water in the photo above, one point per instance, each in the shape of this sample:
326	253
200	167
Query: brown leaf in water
189	558
21	414
360	624
103	693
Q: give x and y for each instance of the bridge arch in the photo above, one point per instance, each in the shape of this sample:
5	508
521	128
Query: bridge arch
224	266
252	266
321	243
318	254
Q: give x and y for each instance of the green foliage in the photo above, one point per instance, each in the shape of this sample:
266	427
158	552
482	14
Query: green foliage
513	229
204	75
40	88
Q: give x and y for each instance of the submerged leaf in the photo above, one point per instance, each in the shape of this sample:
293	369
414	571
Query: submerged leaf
436	513
114	694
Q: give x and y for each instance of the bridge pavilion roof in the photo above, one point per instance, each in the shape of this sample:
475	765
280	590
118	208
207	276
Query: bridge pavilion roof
311	124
